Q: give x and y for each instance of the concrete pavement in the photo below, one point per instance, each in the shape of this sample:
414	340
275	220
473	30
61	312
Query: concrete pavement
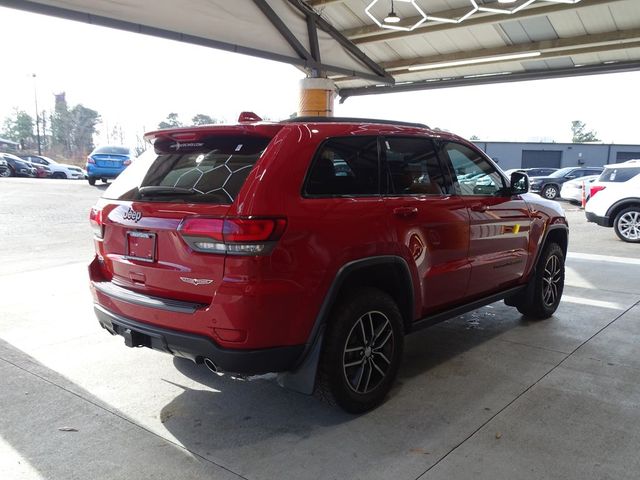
485	395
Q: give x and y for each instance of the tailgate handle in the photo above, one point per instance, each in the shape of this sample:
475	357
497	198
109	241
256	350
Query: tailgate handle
137	277
405	211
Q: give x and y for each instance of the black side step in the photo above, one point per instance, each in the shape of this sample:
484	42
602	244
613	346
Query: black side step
462	309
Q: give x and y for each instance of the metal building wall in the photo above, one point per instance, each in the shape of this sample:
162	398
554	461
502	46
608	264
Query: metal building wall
509	154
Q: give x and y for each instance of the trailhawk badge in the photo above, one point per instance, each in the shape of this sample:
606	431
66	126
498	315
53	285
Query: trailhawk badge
196	281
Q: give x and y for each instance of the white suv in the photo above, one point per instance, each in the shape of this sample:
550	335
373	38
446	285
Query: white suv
615	200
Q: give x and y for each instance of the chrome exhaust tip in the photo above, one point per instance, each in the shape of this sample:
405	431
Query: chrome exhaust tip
211	366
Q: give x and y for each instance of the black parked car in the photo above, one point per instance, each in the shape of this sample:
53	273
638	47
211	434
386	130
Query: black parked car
539	172
17	167
4	168
549	187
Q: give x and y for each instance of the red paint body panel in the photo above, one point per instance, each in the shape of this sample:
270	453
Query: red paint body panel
453	252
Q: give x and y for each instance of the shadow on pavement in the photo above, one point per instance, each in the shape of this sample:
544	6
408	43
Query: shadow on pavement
58	430
241	413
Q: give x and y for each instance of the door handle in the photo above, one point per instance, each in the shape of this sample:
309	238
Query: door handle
478	207
405	211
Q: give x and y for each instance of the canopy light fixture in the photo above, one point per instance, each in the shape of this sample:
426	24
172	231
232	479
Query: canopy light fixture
391	16
392	20
510	6
475	61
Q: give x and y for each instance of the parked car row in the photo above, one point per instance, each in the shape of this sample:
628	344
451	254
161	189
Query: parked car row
103	163
17	167
58	170
617	204
37	166
549	186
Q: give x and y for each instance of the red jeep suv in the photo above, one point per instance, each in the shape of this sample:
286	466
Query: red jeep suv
310	247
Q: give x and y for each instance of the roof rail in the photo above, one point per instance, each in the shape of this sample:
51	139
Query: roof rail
311	119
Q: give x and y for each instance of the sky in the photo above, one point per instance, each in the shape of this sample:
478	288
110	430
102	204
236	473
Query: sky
134	81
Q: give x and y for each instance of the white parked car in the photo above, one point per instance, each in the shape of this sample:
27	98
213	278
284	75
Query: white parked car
572	190
615	200
58	170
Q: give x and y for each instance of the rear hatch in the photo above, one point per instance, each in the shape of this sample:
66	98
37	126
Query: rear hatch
162	220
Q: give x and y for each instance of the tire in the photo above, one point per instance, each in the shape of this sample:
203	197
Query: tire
59	175
7	173
91	180
544	291
362	351
104	180
627	224
550	192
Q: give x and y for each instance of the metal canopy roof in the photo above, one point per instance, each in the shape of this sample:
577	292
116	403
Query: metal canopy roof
461	42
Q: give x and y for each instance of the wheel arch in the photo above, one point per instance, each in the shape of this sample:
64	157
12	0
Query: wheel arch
388	273
620	205
558	233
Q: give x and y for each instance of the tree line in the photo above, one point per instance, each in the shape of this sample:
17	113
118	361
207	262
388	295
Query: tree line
173	121
67	132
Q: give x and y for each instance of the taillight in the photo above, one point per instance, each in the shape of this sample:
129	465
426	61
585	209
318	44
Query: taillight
126	162
95	218
90	160
595	189
236	236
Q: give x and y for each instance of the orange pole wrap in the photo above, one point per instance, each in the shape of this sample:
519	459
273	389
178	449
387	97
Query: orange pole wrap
316	97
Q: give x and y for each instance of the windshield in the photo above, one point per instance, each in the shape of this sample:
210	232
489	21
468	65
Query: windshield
213	171
561	173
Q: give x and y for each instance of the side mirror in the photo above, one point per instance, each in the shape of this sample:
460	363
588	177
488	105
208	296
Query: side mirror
519	183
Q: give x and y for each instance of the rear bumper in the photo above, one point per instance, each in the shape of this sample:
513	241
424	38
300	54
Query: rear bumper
103	172
198	347
602	221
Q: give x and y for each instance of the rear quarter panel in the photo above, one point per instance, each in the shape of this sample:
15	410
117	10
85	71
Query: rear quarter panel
322	234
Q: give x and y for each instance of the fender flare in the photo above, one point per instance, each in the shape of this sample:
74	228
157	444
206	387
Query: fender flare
302	377
543	243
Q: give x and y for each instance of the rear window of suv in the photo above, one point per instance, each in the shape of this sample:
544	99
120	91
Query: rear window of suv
211	170
618	174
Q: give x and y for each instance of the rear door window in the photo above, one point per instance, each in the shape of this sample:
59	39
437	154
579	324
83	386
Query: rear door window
345	166
412	167
211	170
618	174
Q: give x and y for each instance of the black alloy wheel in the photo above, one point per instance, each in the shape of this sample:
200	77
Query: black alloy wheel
362	351
367	353
543	293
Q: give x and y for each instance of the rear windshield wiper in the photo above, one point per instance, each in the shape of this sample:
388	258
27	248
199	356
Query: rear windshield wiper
154	190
